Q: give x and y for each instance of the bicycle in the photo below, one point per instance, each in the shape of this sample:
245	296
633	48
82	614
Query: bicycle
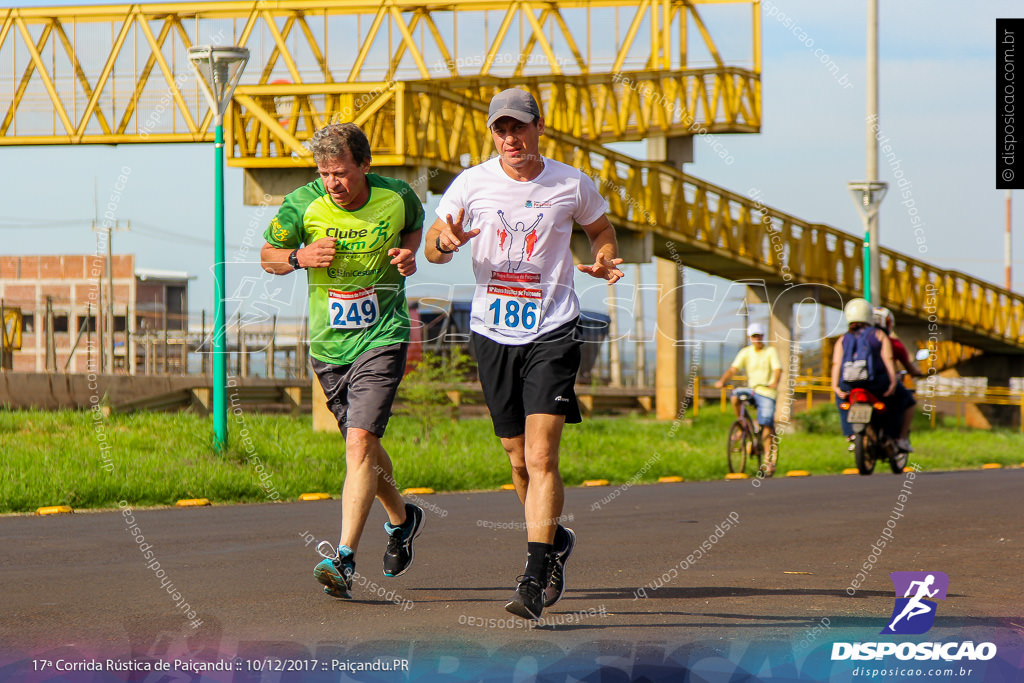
745	438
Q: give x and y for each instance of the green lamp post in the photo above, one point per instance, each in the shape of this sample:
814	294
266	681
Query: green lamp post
867	195
219	69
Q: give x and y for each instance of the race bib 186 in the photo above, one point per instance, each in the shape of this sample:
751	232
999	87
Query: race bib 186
513	308
353	310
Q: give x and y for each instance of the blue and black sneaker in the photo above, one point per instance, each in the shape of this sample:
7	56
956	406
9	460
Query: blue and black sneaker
398	556
335	571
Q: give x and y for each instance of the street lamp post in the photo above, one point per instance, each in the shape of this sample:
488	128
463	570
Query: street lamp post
867	195
219	69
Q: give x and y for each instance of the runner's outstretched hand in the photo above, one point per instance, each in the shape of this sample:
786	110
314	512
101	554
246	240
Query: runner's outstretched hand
454	236
604	268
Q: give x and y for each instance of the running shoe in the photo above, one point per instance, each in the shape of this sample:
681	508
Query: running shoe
335	571
528	600
904	445
556	569
398	556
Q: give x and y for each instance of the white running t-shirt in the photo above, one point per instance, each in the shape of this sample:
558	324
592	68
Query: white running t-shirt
521	258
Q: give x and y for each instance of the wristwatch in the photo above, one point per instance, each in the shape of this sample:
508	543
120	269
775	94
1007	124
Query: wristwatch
293	259
437	243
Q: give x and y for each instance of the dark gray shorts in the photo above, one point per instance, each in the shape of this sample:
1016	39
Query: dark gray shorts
361	394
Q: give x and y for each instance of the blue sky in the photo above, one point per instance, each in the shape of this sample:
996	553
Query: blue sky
937	103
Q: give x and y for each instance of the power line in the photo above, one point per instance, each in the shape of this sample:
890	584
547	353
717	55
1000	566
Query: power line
41	223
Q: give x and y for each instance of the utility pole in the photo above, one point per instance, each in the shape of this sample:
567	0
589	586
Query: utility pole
868	194
641	347
51	344
871	143
614	362
107	312
1008	245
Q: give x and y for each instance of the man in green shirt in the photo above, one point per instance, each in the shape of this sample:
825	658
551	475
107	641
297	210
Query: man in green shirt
761	364
355	234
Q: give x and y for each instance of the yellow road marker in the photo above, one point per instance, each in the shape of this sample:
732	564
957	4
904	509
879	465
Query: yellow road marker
192	502
54	510
315	496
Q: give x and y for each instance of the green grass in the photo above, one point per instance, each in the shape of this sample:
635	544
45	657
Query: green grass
52	458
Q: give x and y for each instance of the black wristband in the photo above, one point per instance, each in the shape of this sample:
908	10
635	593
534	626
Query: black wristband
293	259
437	243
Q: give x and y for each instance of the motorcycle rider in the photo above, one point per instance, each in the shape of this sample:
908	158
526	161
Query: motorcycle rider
885	321
882	383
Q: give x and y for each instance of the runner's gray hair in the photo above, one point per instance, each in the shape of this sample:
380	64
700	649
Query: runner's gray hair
331	142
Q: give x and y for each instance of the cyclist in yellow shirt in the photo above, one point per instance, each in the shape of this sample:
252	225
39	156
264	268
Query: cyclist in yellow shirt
761	364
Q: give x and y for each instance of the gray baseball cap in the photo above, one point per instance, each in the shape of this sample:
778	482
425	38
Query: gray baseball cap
513	102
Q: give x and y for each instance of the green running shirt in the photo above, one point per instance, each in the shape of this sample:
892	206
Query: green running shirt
358	302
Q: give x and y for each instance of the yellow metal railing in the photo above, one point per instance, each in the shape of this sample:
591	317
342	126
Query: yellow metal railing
274	121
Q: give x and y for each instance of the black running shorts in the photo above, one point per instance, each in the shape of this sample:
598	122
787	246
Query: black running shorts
528	379
361	394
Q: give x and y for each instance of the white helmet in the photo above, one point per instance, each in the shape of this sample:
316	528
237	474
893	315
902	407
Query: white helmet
884	319
858	311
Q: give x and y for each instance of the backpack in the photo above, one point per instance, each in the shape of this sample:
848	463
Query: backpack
861	356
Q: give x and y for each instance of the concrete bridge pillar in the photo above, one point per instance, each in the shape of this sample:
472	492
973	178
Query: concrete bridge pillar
670	367
418	177
268	186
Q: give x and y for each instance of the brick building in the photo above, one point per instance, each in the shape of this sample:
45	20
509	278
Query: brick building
62	295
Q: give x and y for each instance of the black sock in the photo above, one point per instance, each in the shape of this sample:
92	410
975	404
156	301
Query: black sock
536	554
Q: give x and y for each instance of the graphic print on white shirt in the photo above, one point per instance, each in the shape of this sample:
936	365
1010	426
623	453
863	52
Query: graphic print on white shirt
521	241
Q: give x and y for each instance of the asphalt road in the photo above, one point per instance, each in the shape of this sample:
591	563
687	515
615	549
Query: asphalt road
778	577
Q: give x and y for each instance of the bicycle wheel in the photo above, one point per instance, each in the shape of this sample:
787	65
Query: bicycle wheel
756	446
864	451
738	446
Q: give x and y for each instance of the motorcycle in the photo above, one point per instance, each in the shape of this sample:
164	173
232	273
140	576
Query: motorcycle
867	416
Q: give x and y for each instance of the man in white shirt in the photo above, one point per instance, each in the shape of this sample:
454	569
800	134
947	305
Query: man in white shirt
521	208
